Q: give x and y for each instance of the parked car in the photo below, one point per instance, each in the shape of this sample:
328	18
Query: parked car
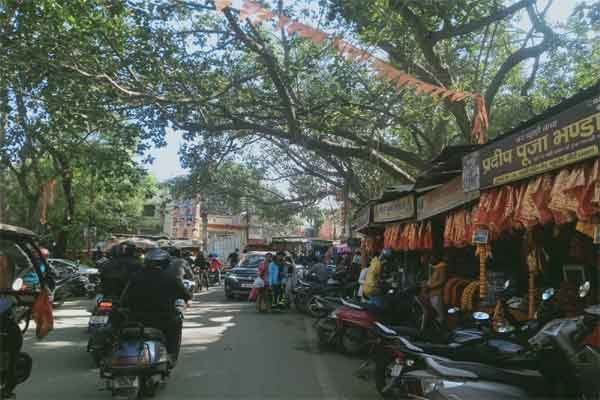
239	280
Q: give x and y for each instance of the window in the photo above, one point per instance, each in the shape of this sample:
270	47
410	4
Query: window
149	210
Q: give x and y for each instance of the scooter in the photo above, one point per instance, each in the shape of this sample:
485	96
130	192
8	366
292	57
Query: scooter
100	314
139	363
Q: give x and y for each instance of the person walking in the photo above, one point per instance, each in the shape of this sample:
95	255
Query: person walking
263	302
275	277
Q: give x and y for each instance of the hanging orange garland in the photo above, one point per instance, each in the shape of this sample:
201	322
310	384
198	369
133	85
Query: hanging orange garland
256	14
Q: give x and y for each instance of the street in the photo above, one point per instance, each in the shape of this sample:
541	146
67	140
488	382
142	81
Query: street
228	351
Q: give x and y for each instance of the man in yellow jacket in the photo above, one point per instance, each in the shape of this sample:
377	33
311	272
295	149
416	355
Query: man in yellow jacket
372	289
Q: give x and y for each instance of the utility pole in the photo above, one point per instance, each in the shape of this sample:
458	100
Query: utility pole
204	216
247	211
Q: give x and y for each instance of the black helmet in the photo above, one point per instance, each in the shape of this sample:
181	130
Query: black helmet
386	255
157	258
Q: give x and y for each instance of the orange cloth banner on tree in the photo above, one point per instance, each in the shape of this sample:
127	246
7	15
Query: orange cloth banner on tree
256	14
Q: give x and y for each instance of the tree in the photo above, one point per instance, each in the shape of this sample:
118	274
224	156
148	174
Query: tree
54	124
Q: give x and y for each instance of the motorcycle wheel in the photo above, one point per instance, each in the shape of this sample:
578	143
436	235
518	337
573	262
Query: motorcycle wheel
314	310
353	341
384	362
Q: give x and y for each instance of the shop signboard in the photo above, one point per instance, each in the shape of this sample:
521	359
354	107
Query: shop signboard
481	236
363	218
447	197
402	208
568	137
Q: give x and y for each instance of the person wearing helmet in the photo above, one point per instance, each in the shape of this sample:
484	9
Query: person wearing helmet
151	296
117	271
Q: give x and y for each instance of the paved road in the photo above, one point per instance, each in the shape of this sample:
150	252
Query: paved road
228	351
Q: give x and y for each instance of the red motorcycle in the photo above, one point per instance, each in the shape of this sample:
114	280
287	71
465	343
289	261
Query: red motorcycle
350	326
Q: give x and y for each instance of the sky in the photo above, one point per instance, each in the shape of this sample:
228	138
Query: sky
167	165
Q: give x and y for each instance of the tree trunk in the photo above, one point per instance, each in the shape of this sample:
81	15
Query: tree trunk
62	237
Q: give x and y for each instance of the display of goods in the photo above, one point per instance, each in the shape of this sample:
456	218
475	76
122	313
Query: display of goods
469	296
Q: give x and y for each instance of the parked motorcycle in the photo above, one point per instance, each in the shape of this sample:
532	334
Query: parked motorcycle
305	294
75	285
502	351
350	326
139	363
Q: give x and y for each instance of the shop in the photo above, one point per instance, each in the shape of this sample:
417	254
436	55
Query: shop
536	221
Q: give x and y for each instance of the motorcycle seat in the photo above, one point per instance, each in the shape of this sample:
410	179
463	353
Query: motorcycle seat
149	334
523	378
406	331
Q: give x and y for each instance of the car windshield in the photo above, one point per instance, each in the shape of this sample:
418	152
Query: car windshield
252	261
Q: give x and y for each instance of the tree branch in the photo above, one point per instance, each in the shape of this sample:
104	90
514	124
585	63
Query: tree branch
449	32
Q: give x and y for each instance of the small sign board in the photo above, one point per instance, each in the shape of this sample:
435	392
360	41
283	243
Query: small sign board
481	236
396	210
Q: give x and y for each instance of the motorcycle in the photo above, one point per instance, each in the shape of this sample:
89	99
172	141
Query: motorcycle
100	314
567	368
350	327
75	285
99	328
139	363
502	350
305	294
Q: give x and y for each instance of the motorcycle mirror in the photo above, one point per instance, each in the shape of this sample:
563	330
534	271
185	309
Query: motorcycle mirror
584	289
548	294
453	310
17	284
507	284
481	316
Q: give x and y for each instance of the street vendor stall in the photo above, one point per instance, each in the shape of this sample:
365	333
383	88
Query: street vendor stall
540	186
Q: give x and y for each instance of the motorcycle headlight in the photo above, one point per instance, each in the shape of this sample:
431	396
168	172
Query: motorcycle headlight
232	277
429	385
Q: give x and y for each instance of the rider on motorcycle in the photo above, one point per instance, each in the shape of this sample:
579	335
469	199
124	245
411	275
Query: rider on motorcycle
151	296
116	272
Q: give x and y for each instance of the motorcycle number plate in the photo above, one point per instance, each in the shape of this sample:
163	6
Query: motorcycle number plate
396	370
125	382
246	285
99	319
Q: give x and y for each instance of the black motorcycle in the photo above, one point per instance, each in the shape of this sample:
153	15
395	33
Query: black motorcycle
503	346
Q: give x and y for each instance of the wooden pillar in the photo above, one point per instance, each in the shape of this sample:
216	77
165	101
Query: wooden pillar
482	250
532	267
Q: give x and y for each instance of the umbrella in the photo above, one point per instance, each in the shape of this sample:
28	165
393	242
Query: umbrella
164	243
140	243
